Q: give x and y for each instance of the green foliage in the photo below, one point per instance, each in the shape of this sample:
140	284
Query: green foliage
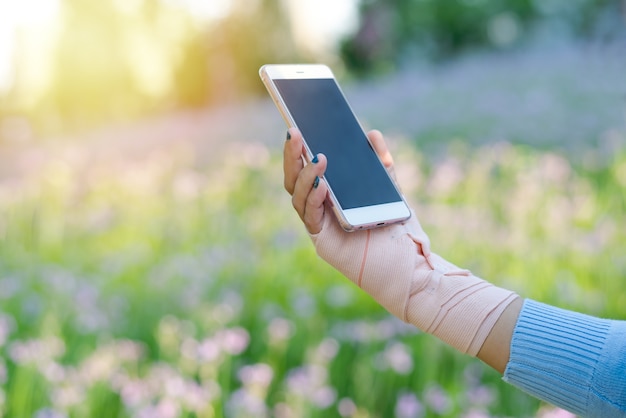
131	286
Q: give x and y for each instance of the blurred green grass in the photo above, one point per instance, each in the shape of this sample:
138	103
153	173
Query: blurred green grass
159	270
165	287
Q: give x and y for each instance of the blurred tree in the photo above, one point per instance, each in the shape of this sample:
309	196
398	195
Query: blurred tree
121	59
192	74
395	30
91	74
113	61
253	34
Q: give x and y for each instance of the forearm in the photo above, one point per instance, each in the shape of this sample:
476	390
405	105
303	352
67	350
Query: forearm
395	266
574	361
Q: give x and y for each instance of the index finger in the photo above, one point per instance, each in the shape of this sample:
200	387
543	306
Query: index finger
380	146
292	158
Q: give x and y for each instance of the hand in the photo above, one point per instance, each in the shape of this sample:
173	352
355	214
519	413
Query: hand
394	264
402	246
305	183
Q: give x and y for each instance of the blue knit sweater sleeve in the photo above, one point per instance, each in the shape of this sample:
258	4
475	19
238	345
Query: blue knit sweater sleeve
574	361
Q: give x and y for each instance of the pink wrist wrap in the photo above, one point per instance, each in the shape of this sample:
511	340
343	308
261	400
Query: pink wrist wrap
395	266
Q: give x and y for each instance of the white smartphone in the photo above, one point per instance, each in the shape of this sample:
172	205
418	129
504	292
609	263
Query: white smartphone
361	192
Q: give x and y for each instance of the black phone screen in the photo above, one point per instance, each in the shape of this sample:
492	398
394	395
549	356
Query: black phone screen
328	126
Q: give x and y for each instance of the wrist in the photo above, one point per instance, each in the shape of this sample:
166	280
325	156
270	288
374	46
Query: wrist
496	349
458	308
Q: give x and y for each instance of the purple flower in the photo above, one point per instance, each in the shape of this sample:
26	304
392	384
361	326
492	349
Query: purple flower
234	340
49	413
408	406
326	351
36	351
309	383
323	397
397	357
243	403
438	400
480	396
476	414
259	374
208	350
346	407
550	412
166	408
279	330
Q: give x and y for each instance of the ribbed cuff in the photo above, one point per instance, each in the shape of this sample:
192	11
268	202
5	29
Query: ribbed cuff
554	353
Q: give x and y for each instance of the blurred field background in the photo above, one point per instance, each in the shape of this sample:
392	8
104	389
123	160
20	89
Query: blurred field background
151	264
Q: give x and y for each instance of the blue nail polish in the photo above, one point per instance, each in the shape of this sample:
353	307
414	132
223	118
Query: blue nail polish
315	160
316	182
288	135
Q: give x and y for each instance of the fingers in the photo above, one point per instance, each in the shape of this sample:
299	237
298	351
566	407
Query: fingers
292	158
380	146
310	193
304	182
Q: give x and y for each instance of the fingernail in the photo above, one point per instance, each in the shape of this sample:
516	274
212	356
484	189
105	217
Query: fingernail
288	135
316	182
315	160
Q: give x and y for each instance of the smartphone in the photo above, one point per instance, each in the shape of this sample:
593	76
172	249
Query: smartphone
361	192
